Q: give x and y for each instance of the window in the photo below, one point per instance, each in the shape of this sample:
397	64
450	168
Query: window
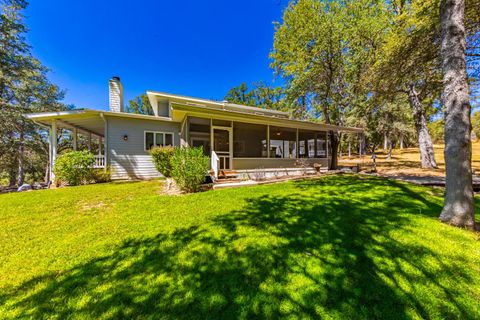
249	140
283	143
321	145
158	139
306	143
199	133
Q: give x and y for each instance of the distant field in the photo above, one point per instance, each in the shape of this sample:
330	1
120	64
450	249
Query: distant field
408	161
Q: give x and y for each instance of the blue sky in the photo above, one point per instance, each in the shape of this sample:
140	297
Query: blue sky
196	48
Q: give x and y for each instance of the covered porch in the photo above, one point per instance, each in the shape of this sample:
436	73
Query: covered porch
75	130
236	146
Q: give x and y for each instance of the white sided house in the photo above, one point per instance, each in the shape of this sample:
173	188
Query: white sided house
237	138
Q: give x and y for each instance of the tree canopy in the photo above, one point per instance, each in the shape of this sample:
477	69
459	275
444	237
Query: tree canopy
260	95
370	63
140	105
24	88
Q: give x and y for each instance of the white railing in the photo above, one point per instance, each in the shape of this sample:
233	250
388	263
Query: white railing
214	163
99	161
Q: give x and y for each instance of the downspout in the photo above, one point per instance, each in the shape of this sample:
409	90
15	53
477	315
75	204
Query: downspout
106	151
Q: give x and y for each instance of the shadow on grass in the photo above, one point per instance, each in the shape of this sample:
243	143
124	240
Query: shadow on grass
324	250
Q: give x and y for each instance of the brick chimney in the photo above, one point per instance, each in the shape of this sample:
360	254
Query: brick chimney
115	94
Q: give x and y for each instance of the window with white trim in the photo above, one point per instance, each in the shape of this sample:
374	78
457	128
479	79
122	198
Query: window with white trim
158	139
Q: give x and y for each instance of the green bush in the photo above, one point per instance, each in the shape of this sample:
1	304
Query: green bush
162	158
189	167
100	175
74	167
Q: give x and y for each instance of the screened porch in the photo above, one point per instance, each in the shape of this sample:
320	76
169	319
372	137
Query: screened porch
234	145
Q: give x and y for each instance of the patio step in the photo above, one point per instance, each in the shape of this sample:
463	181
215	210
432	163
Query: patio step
227	174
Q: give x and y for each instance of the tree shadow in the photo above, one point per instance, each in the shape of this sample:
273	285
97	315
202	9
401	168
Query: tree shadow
316	253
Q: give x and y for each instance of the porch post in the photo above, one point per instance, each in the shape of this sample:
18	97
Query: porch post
89	141
100	145
327	144
268	141
212	147
230	149
53	148
75	133
297	148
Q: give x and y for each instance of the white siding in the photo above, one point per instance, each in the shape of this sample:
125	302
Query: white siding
128	159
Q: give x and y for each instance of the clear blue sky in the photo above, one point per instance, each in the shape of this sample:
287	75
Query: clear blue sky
196	48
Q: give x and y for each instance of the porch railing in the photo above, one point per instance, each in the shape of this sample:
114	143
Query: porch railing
99	161
215	164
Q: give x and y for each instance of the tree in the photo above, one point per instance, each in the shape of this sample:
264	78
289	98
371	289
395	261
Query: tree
408	65
24	88
241	95
261	95
459	204
269	97
140	105
322	49
476	124
437	130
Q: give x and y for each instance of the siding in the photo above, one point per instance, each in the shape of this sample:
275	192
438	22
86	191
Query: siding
128	159
163	109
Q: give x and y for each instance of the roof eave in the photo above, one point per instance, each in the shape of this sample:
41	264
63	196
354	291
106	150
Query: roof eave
267	118
213	103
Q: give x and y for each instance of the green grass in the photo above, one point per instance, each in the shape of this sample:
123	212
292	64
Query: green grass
339	247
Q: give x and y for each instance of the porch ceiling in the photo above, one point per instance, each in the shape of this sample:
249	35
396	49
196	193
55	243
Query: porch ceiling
84	122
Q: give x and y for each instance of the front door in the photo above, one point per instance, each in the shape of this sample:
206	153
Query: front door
222	145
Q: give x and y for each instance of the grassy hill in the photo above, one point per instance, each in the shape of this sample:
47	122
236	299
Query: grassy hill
407	161
337	247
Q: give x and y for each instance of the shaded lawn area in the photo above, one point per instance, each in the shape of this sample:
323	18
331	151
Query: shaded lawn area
336	247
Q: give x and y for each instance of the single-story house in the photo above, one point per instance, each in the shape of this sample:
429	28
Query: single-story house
236	137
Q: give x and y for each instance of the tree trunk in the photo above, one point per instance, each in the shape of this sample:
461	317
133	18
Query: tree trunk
401	141
21	162
349	148
390	147
459	209
427	155
334	148
385	140
12	178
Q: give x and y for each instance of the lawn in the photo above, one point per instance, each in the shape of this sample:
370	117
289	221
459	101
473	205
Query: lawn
339	247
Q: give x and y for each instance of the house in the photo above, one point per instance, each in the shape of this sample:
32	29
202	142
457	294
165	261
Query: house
236	137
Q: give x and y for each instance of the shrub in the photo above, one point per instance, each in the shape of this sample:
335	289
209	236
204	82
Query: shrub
189	167
74	167
100	175
162	158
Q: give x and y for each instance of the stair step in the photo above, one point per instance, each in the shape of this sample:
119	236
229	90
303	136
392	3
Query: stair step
227	174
